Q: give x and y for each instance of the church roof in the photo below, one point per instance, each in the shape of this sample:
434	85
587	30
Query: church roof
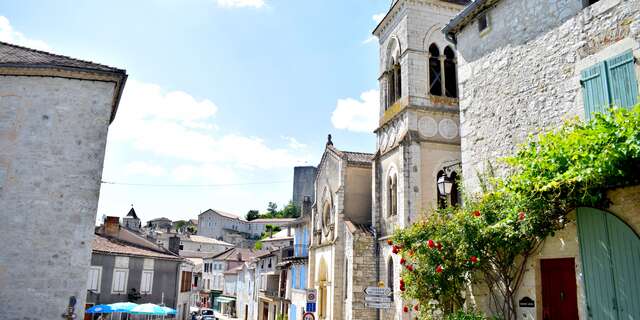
395	2
132	213
23	61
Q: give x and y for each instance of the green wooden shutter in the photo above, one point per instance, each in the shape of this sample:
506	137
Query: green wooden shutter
594	89
625	254
623	84
595	255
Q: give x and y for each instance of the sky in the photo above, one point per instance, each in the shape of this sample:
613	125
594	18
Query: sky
224	97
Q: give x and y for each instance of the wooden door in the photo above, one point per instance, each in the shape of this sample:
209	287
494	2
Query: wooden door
559	292
265	311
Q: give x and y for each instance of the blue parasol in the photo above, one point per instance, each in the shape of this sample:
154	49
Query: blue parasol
100	308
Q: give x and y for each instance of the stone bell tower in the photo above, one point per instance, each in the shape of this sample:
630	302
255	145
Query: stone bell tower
418	132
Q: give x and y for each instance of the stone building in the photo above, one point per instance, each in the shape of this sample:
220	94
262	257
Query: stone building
418	133
54	115
525	67
131	221
343	195
303	179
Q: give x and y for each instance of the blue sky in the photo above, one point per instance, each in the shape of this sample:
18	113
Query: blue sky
231	93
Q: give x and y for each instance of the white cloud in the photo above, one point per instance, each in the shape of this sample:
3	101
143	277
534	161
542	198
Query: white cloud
357	115
241	3
7	34
144	168
370	39
378	17
174	125
294	143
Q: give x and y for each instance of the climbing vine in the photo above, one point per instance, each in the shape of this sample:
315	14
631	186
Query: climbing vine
490	238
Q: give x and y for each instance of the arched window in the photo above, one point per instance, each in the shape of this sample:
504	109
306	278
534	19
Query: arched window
392	194
390	283
394	83
435	71
450	77
455	190
326	214
442	198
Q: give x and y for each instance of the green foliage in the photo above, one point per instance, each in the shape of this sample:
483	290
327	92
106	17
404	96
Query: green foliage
465	315
258	245
272	208
289	211
252	215
492	236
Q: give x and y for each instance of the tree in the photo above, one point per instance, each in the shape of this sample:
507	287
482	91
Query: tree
289	211
252	215
258	245
180	224
272	209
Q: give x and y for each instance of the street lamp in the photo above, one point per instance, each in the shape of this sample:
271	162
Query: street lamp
444	184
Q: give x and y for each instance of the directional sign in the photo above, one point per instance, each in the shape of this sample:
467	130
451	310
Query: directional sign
311	295
309	316
311	307
375	291
378	305
377	299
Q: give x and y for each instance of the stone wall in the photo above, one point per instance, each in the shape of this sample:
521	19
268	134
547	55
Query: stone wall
303	180
361	273
522	89
53	133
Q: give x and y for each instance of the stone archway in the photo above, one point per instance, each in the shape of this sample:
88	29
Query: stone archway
610	254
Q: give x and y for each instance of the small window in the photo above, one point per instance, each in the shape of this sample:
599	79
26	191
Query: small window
147	282
119	285
483	22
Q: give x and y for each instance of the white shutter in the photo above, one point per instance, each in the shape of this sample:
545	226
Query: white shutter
93	283
119	280
147	282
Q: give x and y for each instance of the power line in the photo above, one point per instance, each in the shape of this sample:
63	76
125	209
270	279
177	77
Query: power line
191	185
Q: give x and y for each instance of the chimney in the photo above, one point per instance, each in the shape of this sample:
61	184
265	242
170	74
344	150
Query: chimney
174	244
288	231
111	226
306	206
239	256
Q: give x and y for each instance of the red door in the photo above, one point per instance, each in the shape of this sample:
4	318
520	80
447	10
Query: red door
559	292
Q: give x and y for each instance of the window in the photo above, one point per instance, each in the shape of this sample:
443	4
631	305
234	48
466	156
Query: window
394	83
483	22
95	273
435	70
147	282
392	194
450	76
390	277
120	277
611	82
185	281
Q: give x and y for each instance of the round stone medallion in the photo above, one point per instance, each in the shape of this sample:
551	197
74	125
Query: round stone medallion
427	127
448	129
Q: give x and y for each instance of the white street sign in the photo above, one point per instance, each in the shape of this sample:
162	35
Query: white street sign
377	299
378	305
311	295
376	291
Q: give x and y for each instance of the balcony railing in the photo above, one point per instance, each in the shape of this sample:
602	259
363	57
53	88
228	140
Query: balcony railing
295	251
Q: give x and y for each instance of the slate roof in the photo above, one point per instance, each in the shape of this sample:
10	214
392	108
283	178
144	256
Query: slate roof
106	245
132	213
14	55
232	254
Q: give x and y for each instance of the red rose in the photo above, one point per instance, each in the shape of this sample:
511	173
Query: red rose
389	242
405	309
403	260
416	308
473	259
395	249
439	245
402	288
439	269
521	215
410	267
476	213
431	244
401	282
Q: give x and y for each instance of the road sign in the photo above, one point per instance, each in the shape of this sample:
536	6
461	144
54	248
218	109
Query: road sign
377	299
375	291
378	305
311	307
309	316
311	295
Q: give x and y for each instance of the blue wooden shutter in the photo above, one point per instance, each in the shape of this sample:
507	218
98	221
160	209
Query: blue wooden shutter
623	84
595	92
292	312
625	254
595	255
303	277
293	277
